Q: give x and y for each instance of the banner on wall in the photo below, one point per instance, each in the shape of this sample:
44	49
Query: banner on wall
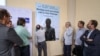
44	11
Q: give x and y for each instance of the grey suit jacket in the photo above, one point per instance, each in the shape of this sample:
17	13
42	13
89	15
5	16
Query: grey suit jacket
7	38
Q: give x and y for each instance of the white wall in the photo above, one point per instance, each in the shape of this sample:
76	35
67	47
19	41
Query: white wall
87	10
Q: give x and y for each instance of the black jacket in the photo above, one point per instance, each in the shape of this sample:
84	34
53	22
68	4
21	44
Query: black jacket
93	46
50	34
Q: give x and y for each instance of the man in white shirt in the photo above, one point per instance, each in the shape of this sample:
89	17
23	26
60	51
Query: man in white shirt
40	40
68	39
78	42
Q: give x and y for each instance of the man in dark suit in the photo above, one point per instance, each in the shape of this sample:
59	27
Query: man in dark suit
90	38
8	36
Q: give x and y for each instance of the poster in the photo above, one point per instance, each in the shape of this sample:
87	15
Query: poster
44	11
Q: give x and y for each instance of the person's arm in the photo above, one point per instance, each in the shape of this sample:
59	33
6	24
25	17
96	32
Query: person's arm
69	32
83	37
13	37
36	40
91	41
74	39
87	40
97	39
26	33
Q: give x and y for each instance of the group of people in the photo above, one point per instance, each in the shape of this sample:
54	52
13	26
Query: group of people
14	41
86	40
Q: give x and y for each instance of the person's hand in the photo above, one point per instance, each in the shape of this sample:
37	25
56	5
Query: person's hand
15	44
84	37
90	40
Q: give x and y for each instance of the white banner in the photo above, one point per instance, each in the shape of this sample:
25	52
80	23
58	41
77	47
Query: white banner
44	11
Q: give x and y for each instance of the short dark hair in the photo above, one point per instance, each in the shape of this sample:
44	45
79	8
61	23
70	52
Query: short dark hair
21	21
38	27
3	12
82	22
48	20
94	22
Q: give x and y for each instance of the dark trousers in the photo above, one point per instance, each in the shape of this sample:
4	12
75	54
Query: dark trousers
17	51
42	46
67	50
91	51
79	50
25	50
85	51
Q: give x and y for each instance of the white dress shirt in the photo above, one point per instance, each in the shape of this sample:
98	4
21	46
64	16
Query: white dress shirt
79	33
68	36
40	36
